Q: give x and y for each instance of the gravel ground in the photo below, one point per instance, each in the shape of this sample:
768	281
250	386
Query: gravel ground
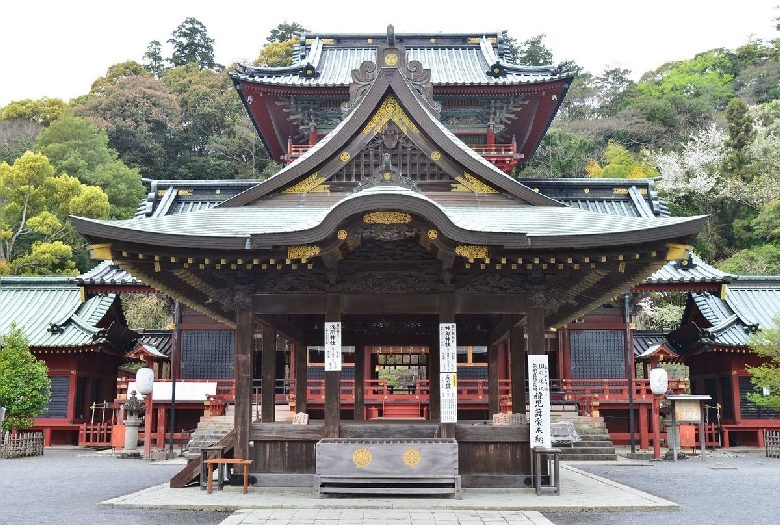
728	487
64	487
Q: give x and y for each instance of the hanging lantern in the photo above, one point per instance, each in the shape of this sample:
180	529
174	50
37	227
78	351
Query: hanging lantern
658	381
144	381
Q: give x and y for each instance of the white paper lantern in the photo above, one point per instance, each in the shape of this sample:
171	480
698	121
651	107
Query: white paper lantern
659	381
144	381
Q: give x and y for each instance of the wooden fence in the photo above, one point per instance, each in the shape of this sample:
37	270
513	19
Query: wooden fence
772	443
21	444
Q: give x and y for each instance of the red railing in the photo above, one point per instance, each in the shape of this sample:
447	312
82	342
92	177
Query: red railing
587	394
494	153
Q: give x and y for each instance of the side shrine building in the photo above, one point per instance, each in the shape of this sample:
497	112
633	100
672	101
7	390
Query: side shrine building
389	227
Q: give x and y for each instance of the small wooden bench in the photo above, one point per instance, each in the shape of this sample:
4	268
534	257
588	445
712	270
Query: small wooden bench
226	461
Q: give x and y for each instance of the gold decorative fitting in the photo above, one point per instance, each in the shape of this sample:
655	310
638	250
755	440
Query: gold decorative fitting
432	234
474	40
218	192
328	41
474	185
306	185
387	175
435	156
344	156
433	41
619	191
361	457
412	456
342	234
472	251
391	59
586	190
370	41
303	252
387	218
184	192
390	110
101	251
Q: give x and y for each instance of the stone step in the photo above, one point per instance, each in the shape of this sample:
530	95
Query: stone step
588	456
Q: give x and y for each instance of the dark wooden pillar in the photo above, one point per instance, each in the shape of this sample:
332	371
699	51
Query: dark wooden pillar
536	331
360	379
242	368
268	375
518	367
494	407
301	377
434	363
332	378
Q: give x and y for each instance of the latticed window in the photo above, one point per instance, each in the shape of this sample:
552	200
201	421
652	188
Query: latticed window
207	354
598	354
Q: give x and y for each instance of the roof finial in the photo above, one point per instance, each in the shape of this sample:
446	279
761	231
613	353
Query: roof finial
390	35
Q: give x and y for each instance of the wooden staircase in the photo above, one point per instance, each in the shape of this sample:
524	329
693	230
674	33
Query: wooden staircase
594	443
191	472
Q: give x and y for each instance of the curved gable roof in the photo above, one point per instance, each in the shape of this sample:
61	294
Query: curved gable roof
389	83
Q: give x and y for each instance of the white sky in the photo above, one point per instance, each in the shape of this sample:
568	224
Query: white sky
57	49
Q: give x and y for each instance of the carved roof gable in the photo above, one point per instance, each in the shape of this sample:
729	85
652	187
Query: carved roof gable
390	110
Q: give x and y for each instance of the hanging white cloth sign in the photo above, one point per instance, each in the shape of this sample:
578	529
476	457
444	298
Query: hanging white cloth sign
332	346
539	394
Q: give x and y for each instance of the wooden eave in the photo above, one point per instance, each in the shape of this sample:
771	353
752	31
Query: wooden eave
388	82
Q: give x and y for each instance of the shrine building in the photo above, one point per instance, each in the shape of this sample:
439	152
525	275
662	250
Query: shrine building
393	218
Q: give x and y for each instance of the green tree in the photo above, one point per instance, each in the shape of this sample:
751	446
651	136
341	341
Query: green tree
766	344
115	73
41	111
621	163
191	44
25	388
142	119
77	147
533	52
708	75
36	236
155	63
286	31
276	54
761	260
561	154
147	310
740	135
216	136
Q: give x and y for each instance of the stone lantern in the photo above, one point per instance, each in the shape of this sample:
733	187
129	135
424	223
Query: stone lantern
133	406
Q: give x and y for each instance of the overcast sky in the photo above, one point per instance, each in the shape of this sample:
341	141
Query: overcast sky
57	49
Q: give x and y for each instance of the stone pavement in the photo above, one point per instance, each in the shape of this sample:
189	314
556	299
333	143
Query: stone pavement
290	506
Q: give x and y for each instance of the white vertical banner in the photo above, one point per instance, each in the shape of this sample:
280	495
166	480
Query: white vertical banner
448	349
448	373
539	394
332	346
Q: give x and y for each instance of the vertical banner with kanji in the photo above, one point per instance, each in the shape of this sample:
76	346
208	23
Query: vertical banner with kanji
539	394
448	373
332	346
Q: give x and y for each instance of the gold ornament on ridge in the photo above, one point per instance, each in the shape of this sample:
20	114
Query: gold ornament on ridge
387	218
390	110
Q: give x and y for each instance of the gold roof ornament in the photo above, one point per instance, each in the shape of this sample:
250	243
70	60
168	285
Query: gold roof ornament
387	218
